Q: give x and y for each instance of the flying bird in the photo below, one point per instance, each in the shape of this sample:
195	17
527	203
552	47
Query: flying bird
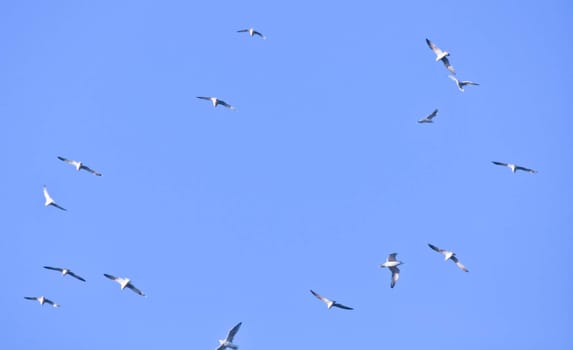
514	167
330	303
441	56
215	101
228	341
449	255
50	200
124	282
461	83
43	300
64	272
251	32
392	264
429	118
79	165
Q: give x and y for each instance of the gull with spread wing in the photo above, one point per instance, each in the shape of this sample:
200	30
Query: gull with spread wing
43	300
251	32
441	56
124	282
215	101
514	167
49	200
429	118
65	272
79	165
392	264
449	255
330	303
228	341
461	83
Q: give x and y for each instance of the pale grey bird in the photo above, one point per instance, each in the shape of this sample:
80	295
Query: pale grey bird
49	200
65	272
124	282
228	341
441	56
79	165
215	101
449	255
43	300
461	83
330	303
251	32
514	167
392	263
429	118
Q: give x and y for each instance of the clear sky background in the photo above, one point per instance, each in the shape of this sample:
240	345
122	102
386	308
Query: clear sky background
223	216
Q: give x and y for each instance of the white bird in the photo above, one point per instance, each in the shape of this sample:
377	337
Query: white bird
330	303
228	341
461	83
514	167
124	282
50	200
79	165
441	56
43	300
64	272
215	101
392	264
449	255
251	32
429	118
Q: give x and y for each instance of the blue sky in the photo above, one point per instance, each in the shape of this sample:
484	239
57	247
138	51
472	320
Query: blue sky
223	216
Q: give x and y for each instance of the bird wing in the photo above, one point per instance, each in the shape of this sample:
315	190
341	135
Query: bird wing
112	277
517	167
223	103
51	302
221	347
467	82
433	114
392	257
88	169
47	195
76	276
58	206
499	163
439	250
133	288
242	31
31	298
448	65
259	34
434	48
233	331
69	161
204	97
320	297
54	268
342	306
395	275
458	263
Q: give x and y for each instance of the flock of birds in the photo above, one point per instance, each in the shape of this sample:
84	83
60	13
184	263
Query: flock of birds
391	262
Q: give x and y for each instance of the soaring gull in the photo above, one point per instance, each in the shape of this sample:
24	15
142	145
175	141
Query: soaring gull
79	165
251	32
330	303
449	255
429	118
228	341
124	282
461	83
392	264
514	167
215	101
441	56
50	200
64	272
43	300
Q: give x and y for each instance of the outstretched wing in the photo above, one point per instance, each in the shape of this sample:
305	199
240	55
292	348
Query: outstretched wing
259	34
434	48
47	195
435	248
342	306
233	331
223	103
31	298
53	268
132	287
395	275
242	31
111	277
320	297
499	163
76	276
458	263
58	206
525	169
204	98
392	257
433	114
88	169
69	161
448	65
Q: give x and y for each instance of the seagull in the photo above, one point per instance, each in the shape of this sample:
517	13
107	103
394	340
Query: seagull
514	167
50	200
429	118
64	272
124	282
215	101
228	342
441	56
330	303
392	264
462	83
43	300
251	32
79	165
449	255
